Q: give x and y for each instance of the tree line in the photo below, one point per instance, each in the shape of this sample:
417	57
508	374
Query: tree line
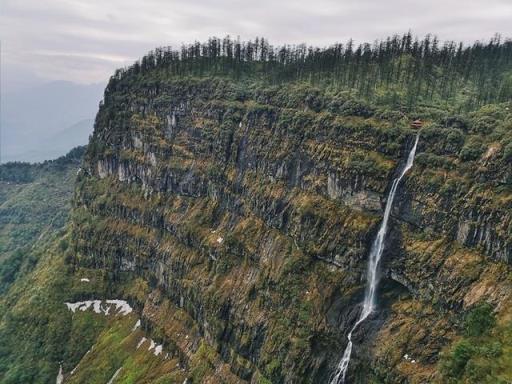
400	69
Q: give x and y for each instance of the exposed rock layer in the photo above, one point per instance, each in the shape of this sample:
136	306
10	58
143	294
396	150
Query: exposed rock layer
255	216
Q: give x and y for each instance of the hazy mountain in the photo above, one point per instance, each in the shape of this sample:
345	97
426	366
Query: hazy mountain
56	144
46	121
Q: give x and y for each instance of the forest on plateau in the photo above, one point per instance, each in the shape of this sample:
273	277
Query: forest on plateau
400	71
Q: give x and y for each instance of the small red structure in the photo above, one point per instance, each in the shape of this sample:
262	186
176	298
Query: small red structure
417	123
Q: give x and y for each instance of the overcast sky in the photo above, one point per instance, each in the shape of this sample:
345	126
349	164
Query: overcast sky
85	40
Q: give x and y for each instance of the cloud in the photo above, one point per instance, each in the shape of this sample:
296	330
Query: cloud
85	40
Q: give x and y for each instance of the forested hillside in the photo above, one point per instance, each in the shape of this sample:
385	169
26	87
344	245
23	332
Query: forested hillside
35	200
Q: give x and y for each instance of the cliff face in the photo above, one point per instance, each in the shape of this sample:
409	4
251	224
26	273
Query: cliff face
242	215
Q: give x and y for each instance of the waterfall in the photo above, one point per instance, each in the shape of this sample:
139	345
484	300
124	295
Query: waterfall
372	273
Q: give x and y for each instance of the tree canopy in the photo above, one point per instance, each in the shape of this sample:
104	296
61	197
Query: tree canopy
399	70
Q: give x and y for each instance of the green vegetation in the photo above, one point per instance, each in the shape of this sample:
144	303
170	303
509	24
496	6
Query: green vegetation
230	193
400	71
295	173
481	355
479	320
35	202
34	279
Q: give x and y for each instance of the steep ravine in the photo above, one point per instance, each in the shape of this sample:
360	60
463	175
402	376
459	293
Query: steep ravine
246	215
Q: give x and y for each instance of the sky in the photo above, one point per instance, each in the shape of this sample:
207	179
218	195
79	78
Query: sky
84	41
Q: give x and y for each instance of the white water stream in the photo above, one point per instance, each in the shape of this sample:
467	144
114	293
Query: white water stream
372	273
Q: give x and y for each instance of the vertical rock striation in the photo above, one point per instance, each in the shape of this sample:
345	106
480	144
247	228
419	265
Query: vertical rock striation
253	212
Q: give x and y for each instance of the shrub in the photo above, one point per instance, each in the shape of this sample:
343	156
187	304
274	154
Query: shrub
477	372
10	268
63	245
355	108
483	125
492	350
429	160
455	140
362	164
314	102
479	320
336	104
471	151
459	122
449	188
456	362
507	152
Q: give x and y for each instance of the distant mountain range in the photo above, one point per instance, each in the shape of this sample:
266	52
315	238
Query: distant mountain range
46	121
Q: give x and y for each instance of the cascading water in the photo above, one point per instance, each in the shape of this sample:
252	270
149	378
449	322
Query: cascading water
372	273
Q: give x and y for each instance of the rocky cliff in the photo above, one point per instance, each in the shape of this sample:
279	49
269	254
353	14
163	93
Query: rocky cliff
236	219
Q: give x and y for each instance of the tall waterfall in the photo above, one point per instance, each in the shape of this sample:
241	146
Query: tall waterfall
372	273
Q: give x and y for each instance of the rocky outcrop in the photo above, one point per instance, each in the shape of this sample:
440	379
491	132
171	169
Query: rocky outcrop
256	216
